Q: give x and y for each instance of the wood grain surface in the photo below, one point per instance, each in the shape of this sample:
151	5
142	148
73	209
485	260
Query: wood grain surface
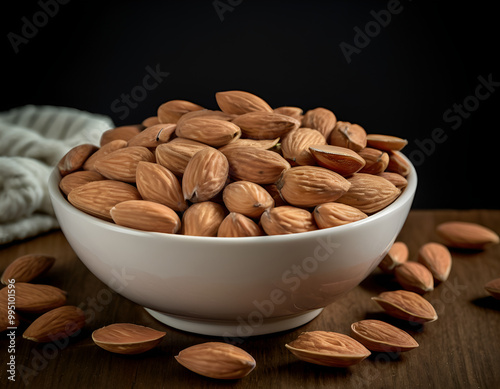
460	350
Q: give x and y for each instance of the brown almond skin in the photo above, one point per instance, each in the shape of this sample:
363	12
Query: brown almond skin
150	121
376	161
203	219
333	214
349	135
308	186
205	175
397	164
103	151
98	197
172	111
294	112
240	102
247	198
56	324
265	125
385	142
77	179
466	235
493	288
213	132
380	336
437	258
295	145
415	277
397	255
121	165
126	338
238	225
287	220
36	298
341	160
75	158
123	132
217	360
146	216
328	349
176	154
406	305
27	267
153	135
157	183
320	119
396	179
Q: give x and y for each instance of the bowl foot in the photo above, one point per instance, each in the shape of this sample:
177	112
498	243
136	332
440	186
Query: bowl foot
239	328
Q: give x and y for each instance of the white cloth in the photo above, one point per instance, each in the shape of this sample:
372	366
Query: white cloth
32	141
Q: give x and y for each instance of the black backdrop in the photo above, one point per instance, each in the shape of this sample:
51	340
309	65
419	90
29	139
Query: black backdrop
420	70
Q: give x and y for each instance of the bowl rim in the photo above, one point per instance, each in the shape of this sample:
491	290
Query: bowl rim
407	195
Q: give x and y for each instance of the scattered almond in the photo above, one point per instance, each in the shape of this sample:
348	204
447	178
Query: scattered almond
406	305
125	338
217	360
397	255
415	277
56	324
466	235
27	268
328	349
377	335
36	298
437	258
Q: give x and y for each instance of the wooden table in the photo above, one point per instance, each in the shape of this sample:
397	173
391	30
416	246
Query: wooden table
460	350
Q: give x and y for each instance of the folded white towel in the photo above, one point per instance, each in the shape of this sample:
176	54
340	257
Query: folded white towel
32	141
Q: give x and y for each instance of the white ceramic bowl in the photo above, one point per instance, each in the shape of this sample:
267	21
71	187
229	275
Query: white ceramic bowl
232	286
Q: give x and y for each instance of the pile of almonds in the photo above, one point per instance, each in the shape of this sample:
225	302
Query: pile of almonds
243	170
55	320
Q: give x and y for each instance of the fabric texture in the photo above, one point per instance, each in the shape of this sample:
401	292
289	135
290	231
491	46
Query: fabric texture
32	141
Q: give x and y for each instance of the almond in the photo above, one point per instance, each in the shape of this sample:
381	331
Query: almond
153	135
238	225
217	360
121	165
493	288
125	338
240	102
36	298
466	235
415	277
398	164
247	198
205	175
103	151
406	305
385	142
349	135
273	190
320	119
256	165
78	178
157	183
98	197
265	125
146	216
207	114
380	336
27	268
75	158
332	214
369	193
294	112
124	133
176	154
212	132
376	161
396	179
295	145
203	219
397	255
287	220
259	143
172	110
341	160
328	349
56	324
308	186
437	258
150	121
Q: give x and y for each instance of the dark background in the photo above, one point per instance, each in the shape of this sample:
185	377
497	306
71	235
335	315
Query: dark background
404	80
